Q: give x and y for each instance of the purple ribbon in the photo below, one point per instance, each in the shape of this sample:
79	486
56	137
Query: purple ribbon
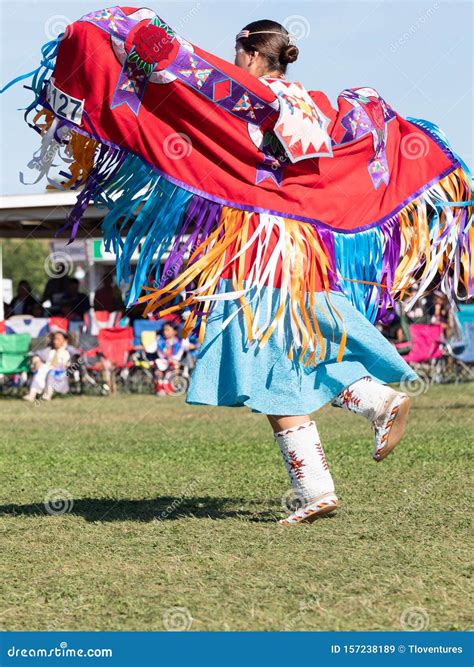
200	218
112	20
130	86
359	123
269	168
202	76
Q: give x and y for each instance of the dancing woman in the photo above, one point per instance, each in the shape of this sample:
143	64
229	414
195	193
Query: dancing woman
292	226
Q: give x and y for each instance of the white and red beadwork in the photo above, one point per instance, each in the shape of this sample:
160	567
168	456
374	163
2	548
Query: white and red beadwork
311	511
379	404
383	427
308	470
364	397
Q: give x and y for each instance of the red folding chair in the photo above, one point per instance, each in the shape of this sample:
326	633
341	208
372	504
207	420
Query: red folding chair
111	356
115	344
58	324
95	320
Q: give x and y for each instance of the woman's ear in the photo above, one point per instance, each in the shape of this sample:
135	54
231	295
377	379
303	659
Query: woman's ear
253	55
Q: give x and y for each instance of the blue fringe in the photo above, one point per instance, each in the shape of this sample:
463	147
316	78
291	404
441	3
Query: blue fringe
39	75
163	206
360	256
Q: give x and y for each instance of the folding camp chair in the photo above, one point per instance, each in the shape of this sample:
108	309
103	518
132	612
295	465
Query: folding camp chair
114	347
427	354
461	351
36	327
139	326
14	362
95	320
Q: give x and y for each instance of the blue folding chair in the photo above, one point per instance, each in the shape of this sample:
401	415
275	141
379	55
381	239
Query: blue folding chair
466	314
462	349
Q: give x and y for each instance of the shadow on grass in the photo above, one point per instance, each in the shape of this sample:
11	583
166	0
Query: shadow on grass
165	508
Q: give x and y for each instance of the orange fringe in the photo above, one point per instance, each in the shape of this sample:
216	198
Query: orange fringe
80	150
418	250
304	255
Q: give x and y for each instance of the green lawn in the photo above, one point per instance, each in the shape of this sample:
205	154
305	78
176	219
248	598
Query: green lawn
174	513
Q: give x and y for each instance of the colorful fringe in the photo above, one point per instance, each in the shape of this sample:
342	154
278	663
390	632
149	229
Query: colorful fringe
426	244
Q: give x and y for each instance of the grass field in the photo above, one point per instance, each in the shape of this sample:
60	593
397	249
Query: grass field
172	511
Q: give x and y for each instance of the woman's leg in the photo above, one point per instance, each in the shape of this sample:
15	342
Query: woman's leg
300	445
280	423
385	408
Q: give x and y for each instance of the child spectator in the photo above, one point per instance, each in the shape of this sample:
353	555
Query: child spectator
50	369
170	349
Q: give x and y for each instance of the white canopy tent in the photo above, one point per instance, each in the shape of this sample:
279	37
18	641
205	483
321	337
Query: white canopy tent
40	216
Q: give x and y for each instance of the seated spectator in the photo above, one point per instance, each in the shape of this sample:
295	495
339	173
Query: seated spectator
24	301
170	349
37	310
74	304
393	330
55	289
50	369
442	313
108	296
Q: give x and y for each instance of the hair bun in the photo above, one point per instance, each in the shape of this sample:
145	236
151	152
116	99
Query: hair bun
289	54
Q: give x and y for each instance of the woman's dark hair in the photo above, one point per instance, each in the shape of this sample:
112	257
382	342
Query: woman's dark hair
272	40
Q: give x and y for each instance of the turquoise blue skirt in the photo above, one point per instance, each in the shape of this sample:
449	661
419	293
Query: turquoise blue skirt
229	372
